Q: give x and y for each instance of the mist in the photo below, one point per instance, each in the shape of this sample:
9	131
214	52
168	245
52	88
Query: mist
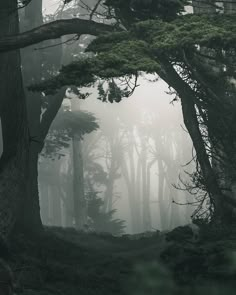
117	147
148	124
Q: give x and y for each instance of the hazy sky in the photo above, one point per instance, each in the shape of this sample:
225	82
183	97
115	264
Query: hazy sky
50	6
150	97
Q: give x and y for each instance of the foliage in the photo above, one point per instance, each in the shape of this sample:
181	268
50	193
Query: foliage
130	11
151	41
124	59
109	265
103	221
213	31
65	126
112	93
142	49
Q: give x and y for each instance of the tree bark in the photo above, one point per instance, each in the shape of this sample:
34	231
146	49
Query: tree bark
187	97
53	30
31	64
14	127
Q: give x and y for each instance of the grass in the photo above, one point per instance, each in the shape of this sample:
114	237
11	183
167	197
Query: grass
64	261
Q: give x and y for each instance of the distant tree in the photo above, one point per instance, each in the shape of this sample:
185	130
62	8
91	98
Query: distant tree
64	129
103	221
170	46
157	39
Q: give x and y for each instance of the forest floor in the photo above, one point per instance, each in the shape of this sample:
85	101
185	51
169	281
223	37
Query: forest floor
64	261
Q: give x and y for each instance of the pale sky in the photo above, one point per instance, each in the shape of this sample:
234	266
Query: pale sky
50	6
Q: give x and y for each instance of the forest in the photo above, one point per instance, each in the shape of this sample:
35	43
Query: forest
117	147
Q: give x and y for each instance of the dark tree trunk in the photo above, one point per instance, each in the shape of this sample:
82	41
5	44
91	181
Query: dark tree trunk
14	127
32	220
223	203
32	64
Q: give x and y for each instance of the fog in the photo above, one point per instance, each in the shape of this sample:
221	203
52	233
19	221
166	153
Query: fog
145	128
112	181
132	164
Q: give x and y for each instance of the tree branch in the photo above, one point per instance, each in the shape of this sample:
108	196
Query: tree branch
190	119
51	112
54	30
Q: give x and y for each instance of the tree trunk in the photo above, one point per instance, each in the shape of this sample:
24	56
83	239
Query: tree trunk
44	200
80	204
14	127
145	188
187	95
108	195
31	64
56	208
161	199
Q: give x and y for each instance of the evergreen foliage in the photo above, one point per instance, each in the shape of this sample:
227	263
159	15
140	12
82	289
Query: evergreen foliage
143	47
103	221
134	10
198	49
64	127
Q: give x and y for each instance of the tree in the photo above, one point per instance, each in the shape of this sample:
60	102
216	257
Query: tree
170	48
13	162
19	196
68	129
103	221
163	42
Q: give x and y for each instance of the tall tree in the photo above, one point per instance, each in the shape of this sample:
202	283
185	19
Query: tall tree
168	45
13	162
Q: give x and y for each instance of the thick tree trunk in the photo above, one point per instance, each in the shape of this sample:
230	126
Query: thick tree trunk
31	64
31	214
38	129
14	127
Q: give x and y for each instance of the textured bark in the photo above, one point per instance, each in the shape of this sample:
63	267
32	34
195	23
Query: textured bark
53	30
14	127
38	127
31	64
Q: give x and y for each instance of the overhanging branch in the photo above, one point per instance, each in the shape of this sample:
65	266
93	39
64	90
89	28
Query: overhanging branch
54	30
